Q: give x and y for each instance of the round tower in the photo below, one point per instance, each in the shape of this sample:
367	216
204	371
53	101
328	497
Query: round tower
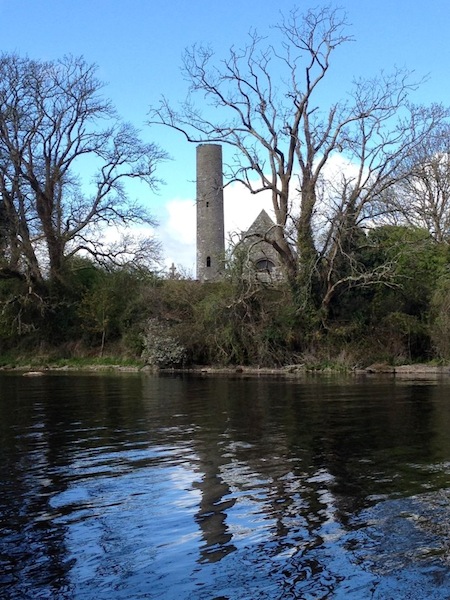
210	218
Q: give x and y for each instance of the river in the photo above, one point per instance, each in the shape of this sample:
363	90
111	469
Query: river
130	486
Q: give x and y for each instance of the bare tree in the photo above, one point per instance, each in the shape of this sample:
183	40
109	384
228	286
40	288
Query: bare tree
422	197
271	105
55	126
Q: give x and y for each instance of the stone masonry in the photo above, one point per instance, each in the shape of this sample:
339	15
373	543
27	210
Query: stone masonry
210	214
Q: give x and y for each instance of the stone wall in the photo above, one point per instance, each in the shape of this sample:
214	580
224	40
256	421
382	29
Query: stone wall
259	258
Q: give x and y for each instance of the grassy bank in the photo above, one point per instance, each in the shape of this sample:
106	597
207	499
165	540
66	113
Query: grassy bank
37	362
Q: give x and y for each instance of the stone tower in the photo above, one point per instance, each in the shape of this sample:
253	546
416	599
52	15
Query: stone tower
210	217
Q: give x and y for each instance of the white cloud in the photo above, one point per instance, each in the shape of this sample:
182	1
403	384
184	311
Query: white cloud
177	229
242	208
177	219
177	233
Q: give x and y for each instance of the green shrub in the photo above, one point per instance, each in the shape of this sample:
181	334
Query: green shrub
440	319
160	347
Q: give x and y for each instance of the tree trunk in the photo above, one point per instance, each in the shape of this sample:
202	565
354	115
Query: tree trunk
307	276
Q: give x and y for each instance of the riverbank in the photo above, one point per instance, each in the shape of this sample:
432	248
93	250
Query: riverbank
38	367
412	371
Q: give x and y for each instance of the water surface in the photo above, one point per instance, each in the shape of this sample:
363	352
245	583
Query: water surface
131	486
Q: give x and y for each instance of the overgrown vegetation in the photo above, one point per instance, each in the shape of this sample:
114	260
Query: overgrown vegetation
361	199
143	318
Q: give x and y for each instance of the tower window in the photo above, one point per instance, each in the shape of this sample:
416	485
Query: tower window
208	261
207	204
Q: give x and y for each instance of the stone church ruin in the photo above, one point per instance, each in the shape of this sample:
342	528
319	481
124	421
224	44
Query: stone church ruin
256	255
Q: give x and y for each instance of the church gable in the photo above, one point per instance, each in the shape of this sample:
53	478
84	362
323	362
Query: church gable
262	225
259	257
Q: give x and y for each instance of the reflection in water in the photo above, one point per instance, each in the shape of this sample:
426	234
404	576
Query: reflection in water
212	517
132	486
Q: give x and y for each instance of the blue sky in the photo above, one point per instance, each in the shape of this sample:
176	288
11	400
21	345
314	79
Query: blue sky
138	45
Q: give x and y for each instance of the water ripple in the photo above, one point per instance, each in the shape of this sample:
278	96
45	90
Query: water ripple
243	491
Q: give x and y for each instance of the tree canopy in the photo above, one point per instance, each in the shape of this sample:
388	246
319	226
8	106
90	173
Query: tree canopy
288	131
56	126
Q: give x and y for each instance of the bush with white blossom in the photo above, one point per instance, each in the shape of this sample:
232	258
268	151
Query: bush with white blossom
160	348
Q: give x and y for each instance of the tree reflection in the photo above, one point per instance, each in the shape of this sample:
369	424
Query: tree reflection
33	554
212	516
220	486
300	464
